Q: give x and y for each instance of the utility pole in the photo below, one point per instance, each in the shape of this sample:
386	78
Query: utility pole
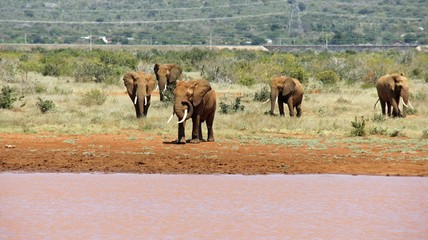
295	11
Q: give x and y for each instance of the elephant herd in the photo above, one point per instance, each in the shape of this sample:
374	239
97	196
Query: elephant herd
197	100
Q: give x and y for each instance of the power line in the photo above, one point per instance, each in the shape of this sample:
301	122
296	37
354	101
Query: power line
140	22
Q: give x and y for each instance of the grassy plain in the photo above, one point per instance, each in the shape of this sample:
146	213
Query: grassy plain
327	112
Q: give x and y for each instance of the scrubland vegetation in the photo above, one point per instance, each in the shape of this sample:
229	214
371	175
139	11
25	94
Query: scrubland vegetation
81	92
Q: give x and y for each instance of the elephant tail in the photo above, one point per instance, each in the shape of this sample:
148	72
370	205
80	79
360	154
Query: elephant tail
376	103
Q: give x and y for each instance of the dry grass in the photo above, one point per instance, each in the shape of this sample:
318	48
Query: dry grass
326	112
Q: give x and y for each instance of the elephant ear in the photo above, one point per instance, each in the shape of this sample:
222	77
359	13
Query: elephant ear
174	73
129	81
200	88
151	84
288	86
156	69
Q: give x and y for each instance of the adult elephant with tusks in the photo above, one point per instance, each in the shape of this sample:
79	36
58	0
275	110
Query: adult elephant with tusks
392	89
197	100
139	86
166	74
287	90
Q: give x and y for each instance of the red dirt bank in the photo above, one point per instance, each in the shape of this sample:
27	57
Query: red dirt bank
151	153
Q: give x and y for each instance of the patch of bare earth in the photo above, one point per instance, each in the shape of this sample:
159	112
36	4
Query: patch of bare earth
152	153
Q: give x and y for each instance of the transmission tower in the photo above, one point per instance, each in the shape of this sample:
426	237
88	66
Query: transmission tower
295	13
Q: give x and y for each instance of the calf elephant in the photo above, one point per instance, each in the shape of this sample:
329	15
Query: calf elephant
197	100
140	86
390	89
166	74
286	90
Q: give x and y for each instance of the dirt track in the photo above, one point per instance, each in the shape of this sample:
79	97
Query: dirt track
151	153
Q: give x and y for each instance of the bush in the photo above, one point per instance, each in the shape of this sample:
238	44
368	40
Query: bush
7	97
231	108
358	126
378	118
328	77
93	97
378	131
45	105
299	73
263	94
51	69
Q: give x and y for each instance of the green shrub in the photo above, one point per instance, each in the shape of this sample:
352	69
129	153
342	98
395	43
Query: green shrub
51	69
328	77
424	134
7	97
358	126
263	94
378	118
299	73
231	108
40	88
246	81
93	97
45	105
378	131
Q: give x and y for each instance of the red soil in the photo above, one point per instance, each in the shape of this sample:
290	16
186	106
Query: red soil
152	153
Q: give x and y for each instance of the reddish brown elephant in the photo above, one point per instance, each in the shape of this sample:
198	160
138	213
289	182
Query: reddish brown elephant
139	86
391	89
167	75
287	90
197	100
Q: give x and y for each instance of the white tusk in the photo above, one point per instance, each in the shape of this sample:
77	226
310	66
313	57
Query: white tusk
157	87
145	101
411	105
266	101
135	100
164	88
276	100
184	118
406	104
170	118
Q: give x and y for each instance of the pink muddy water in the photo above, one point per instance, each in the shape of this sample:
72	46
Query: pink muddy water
132	206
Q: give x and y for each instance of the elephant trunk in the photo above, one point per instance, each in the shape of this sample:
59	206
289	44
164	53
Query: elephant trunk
140	101
162	84
182	107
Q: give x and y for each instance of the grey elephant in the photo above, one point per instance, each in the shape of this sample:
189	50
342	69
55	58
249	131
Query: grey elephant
391	89
287	90
194	99
166	75
139	86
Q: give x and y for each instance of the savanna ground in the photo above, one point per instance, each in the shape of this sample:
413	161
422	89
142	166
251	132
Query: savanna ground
80	137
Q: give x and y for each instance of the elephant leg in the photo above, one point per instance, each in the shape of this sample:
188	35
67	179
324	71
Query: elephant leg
299	110
383	105
200	132
281	108
181	130
196	129
388	104
290	107
210	121
161	95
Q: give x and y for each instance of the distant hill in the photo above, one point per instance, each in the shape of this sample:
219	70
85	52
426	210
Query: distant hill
222	22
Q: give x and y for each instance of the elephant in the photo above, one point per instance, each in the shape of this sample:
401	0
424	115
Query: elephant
197	100
286	90
390	90
166	74
139	86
